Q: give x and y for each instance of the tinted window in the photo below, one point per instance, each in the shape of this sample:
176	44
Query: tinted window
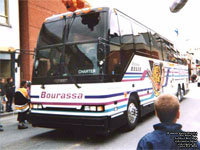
126	40
76	59
51	33
125	29
114	65
87	27
141	40
114	34
47	62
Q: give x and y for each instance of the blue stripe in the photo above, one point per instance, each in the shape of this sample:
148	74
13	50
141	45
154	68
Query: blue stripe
35	96
128	77
113	109
141	90
152	96
105	96
180	75
117	94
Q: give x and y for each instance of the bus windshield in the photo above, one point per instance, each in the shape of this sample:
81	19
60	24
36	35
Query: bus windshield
68	47
75	29
76	59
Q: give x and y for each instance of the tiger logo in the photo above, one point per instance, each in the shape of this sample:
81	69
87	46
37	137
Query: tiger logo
157	76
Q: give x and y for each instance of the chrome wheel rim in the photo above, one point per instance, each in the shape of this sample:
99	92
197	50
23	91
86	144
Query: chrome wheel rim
132	113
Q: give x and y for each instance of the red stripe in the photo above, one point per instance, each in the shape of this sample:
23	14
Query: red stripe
145	94
77	104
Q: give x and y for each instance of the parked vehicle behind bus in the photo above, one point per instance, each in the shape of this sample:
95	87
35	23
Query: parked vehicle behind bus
101	70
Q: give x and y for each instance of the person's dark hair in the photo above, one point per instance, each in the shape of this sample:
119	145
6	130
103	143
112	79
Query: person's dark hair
167	107
23	83
8	80
29	84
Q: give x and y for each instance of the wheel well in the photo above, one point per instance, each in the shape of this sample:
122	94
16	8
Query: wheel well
134	96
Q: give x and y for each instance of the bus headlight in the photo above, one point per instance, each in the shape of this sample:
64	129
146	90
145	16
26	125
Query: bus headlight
36	106
94	108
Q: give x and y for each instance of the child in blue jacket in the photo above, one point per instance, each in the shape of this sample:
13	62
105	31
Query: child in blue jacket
168	135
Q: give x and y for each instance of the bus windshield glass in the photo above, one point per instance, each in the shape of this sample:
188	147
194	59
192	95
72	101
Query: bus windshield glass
68	47
75	29
76	59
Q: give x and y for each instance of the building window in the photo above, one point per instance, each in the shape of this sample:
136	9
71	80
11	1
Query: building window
4	12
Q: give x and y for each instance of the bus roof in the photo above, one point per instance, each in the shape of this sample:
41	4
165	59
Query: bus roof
98	9
77	12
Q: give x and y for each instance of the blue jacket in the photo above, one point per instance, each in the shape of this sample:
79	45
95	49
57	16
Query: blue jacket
166	137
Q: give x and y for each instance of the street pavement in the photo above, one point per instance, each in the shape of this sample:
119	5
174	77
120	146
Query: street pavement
42	138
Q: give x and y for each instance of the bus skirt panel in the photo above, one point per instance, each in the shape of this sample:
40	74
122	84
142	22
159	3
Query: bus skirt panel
98	124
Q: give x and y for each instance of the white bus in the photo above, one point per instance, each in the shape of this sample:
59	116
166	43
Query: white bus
101	70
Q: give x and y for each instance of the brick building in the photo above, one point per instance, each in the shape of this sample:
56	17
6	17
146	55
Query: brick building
32	15
9	40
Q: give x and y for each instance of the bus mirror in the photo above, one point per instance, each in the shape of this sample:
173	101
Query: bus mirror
18	60
100	53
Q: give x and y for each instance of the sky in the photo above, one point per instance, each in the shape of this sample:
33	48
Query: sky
156	15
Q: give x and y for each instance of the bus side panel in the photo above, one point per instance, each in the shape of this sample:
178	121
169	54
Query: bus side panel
151	77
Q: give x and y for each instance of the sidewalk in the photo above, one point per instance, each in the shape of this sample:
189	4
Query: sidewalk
7	114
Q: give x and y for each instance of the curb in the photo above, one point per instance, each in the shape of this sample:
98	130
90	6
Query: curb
7	114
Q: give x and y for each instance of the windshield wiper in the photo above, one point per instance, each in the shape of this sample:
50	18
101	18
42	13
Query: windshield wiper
65	38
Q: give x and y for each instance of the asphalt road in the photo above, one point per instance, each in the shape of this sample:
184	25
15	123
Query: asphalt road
43	139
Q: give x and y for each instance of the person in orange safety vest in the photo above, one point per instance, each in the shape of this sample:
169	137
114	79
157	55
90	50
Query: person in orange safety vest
22	104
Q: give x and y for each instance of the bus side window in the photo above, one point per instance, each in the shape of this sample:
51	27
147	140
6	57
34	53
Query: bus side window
141	47
114	55
114	60
171	56
157	46
126	40
114	29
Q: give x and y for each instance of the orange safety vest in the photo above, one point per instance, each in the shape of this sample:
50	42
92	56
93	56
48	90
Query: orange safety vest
24	94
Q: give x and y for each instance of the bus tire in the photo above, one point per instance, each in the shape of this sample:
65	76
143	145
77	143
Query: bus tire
179	94
132	115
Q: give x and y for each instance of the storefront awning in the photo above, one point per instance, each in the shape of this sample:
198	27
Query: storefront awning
7	49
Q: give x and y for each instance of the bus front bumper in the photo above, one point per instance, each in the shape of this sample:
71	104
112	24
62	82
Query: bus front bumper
69	122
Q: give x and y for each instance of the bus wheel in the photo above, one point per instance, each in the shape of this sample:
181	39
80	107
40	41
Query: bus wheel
132	115
179	94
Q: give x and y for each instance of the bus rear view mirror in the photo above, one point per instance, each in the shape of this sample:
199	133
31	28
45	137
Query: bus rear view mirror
18	60
100	53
